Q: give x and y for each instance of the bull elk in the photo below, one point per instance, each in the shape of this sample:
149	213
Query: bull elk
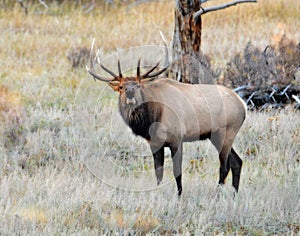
167	113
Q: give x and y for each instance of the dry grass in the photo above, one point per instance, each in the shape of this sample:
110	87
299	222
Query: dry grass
67	120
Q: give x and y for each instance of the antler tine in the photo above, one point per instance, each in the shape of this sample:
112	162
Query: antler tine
149	71
138	71
166	64
92	62
92	65
166	49
119	68
108	71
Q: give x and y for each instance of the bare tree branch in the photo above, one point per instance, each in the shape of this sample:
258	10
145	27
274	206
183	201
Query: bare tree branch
44	4
91	7
136	3
23	6
216	8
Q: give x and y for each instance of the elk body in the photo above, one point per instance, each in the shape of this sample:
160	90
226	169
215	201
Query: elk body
167	113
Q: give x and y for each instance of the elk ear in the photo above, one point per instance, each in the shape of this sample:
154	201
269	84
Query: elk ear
114	85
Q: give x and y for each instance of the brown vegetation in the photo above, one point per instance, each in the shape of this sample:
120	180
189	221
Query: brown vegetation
275	65
266	72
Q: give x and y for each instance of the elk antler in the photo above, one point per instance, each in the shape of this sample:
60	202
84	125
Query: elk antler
138	69
119	69
138	74
145	75
92	66
148	74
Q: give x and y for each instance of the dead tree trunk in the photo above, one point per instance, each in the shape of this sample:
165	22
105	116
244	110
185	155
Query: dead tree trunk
188	63
186	39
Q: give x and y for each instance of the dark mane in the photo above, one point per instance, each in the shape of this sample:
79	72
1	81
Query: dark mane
142	117
140	121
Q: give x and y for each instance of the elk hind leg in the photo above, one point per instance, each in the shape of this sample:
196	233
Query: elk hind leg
224	165
223	147
236	167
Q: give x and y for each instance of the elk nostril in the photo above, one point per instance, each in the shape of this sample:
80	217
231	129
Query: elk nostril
129	94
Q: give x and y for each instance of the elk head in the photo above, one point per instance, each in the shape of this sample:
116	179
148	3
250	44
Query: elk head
128	87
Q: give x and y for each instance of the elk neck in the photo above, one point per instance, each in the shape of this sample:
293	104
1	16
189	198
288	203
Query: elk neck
139	117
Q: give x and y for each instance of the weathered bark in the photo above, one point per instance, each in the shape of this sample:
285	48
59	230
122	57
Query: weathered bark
189	65
186	42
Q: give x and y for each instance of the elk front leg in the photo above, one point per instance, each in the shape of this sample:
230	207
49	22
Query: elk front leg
176	152
158	155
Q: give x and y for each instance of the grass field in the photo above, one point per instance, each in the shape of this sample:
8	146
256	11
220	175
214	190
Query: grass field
69	165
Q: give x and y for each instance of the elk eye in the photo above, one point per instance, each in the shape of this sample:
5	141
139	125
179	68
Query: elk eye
120	87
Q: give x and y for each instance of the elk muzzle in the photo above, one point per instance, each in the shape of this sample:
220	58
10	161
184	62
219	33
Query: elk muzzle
130	99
